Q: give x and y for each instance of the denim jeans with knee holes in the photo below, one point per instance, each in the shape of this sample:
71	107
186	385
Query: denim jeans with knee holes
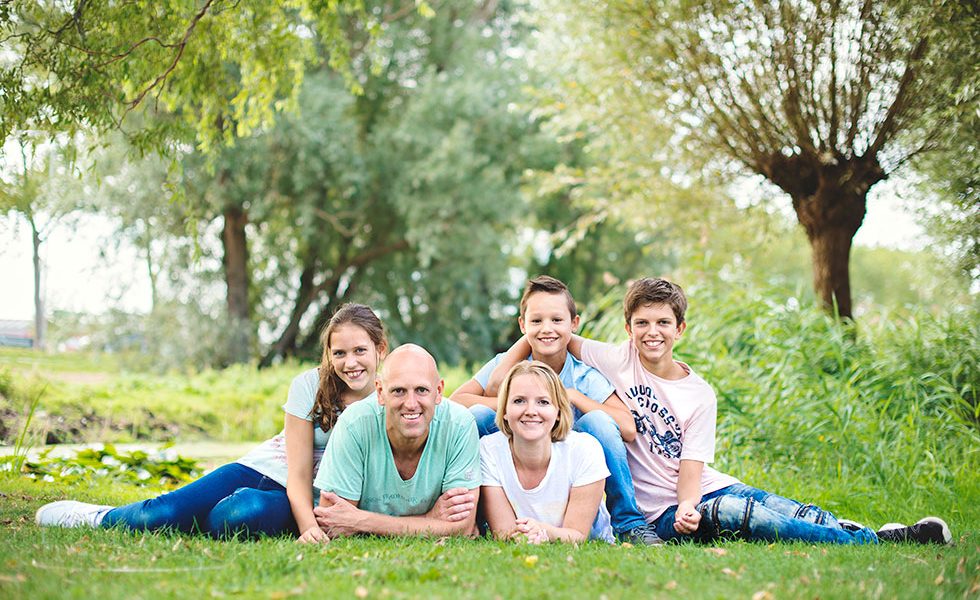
620	496
231	500
744	512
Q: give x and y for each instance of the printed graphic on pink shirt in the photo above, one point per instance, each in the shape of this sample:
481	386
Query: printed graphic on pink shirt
653	419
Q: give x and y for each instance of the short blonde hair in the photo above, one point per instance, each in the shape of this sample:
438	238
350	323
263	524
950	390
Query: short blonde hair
555	390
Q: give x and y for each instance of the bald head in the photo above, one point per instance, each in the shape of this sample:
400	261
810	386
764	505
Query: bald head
409	357
409	388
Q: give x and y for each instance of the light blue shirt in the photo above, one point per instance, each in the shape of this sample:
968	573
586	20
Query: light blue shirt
574	374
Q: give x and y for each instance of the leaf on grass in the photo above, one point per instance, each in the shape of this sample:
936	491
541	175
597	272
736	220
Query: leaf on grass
716	551
762	595
361	592
358	573
961	566
940	579
670	585
730	573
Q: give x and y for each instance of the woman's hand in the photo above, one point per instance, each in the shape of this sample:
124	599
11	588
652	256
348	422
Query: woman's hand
533	532
313	535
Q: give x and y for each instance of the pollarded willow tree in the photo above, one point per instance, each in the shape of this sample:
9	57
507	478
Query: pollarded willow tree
824	98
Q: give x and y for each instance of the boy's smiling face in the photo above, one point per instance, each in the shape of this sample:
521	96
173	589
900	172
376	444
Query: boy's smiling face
548	324
653	329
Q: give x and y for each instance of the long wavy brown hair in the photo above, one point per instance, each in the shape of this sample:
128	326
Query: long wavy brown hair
329	396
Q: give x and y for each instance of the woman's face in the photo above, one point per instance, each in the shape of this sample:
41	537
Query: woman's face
531	412
354	358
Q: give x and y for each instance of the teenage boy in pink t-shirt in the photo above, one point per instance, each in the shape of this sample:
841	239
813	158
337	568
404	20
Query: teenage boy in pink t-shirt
674	410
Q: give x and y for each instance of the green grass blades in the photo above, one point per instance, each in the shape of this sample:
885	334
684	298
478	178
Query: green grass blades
84	563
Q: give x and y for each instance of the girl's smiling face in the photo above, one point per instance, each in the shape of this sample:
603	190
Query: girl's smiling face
354	358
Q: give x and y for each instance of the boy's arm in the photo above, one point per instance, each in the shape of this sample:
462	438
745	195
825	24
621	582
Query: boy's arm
339	516
514	355
688	496
613	406
472	393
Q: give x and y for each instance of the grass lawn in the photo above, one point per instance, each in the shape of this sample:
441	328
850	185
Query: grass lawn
84	563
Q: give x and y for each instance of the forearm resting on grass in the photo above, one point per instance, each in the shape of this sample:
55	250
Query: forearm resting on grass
338	516
299	477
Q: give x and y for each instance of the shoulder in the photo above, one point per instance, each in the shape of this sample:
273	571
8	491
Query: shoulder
355	415
493	442
695	382
305	381
454	414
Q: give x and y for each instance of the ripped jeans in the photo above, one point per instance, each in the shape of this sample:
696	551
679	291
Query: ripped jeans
743	512
232	499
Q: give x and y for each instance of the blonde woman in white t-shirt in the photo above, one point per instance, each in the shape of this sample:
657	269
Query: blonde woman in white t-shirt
542	482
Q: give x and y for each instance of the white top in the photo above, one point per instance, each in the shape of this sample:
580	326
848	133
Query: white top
575	461
269	458
675	419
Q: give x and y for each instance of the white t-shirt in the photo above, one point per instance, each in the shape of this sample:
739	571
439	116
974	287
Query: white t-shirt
269	458
675	419
575	461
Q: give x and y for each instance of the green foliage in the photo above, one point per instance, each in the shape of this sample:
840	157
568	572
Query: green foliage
221	68
163	468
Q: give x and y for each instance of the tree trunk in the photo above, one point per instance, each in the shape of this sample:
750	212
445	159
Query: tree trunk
235	262
287	340
40	324
830	200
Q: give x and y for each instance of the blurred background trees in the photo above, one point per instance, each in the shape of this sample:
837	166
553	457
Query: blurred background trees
269	163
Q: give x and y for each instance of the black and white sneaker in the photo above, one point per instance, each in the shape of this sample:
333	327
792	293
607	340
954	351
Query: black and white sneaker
849	525
930	530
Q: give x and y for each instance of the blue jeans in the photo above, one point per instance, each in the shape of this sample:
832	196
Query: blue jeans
620	496
748	513
233	499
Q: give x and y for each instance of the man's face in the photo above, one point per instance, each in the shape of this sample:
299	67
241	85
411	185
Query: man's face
548	324
410	392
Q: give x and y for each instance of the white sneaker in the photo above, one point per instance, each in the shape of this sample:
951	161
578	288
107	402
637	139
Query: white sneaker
849	525
70	513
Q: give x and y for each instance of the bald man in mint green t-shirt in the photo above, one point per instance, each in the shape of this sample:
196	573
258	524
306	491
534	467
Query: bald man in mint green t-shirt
407	464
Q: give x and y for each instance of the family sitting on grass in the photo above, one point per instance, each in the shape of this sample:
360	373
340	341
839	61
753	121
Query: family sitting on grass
530	444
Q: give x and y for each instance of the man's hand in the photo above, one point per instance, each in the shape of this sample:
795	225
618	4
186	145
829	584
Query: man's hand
532	531
686	519
336	516
313	535
454	505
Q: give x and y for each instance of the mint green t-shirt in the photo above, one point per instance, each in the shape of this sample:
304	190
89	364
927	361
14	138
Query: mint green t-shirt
358	464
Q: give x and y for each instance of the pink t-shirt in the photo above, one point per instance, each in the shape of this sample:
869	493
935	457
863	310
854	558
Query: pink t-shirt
675	419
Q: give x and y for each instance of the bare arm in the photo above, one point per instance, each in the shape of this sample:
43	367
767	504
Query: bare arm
299	476
688	496
471	393
575	346
339	516
499	512
514	355
613	406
